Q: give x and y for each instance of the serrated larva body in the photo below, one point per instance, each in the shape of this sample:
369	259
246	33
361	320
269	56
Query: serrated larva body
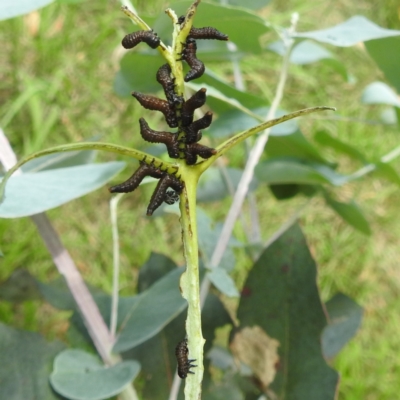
184	364
133	39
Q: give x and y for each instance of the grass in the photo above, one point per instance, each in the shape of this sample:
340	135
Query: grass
57	70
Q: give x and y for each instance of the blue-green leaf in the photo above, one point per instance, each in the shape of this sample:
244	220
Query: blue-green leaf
388	172
325	139
213	184
294	145
247	99
253	4
26	360
234	121
380	93
382	51
59	160
153	309
291	170
345	317
208	237
223	282
351	213
226	19
137	72
29	194
13	8
78	375
354	30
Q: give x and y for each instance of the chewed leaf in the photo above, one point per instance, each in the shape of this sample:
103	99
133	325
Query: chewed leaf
281	297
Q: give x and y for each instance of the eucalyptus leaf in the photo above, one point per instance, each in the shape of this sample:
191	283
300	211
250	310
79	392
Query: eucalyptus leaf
303	52
59	160
354	30
26	361
294	145
307	52
154	308
33	193
19	287
388	116
225	18
14	8
247	99
345	317
351	213
253	5
281	297
217	95
289	190
157	266
290	170
78	375
380	93
325	139
215	183
157	355
382	52
208	237
223	282
234	121
137	73
388	172
221	358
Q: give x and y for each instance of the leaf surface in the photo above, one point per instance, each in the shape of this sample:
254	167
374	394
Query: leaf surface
79	375
351	213
345	317
348	33
280	295
26	360
153	309
13	8
33	193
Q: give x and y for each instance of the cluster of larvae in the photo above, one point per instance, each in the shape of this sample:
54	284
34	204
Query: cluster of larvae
178	113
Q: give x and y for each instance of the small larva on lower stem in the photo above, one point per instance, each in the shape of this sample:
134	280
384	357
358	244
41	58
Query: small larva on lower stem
184	364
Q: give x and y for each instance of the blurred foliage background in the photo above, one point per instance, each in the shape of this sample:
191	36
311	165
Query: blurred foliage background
57	69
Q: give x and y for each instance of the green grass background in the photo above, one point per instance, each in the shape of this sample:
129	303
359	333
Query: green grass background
63	58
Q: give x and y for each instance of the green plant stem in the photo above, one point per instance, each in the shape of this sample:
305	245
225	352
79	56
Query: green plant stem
190	281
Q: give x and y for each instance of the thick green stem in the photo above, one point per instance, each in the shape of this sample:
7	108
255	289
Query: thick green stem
190	282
